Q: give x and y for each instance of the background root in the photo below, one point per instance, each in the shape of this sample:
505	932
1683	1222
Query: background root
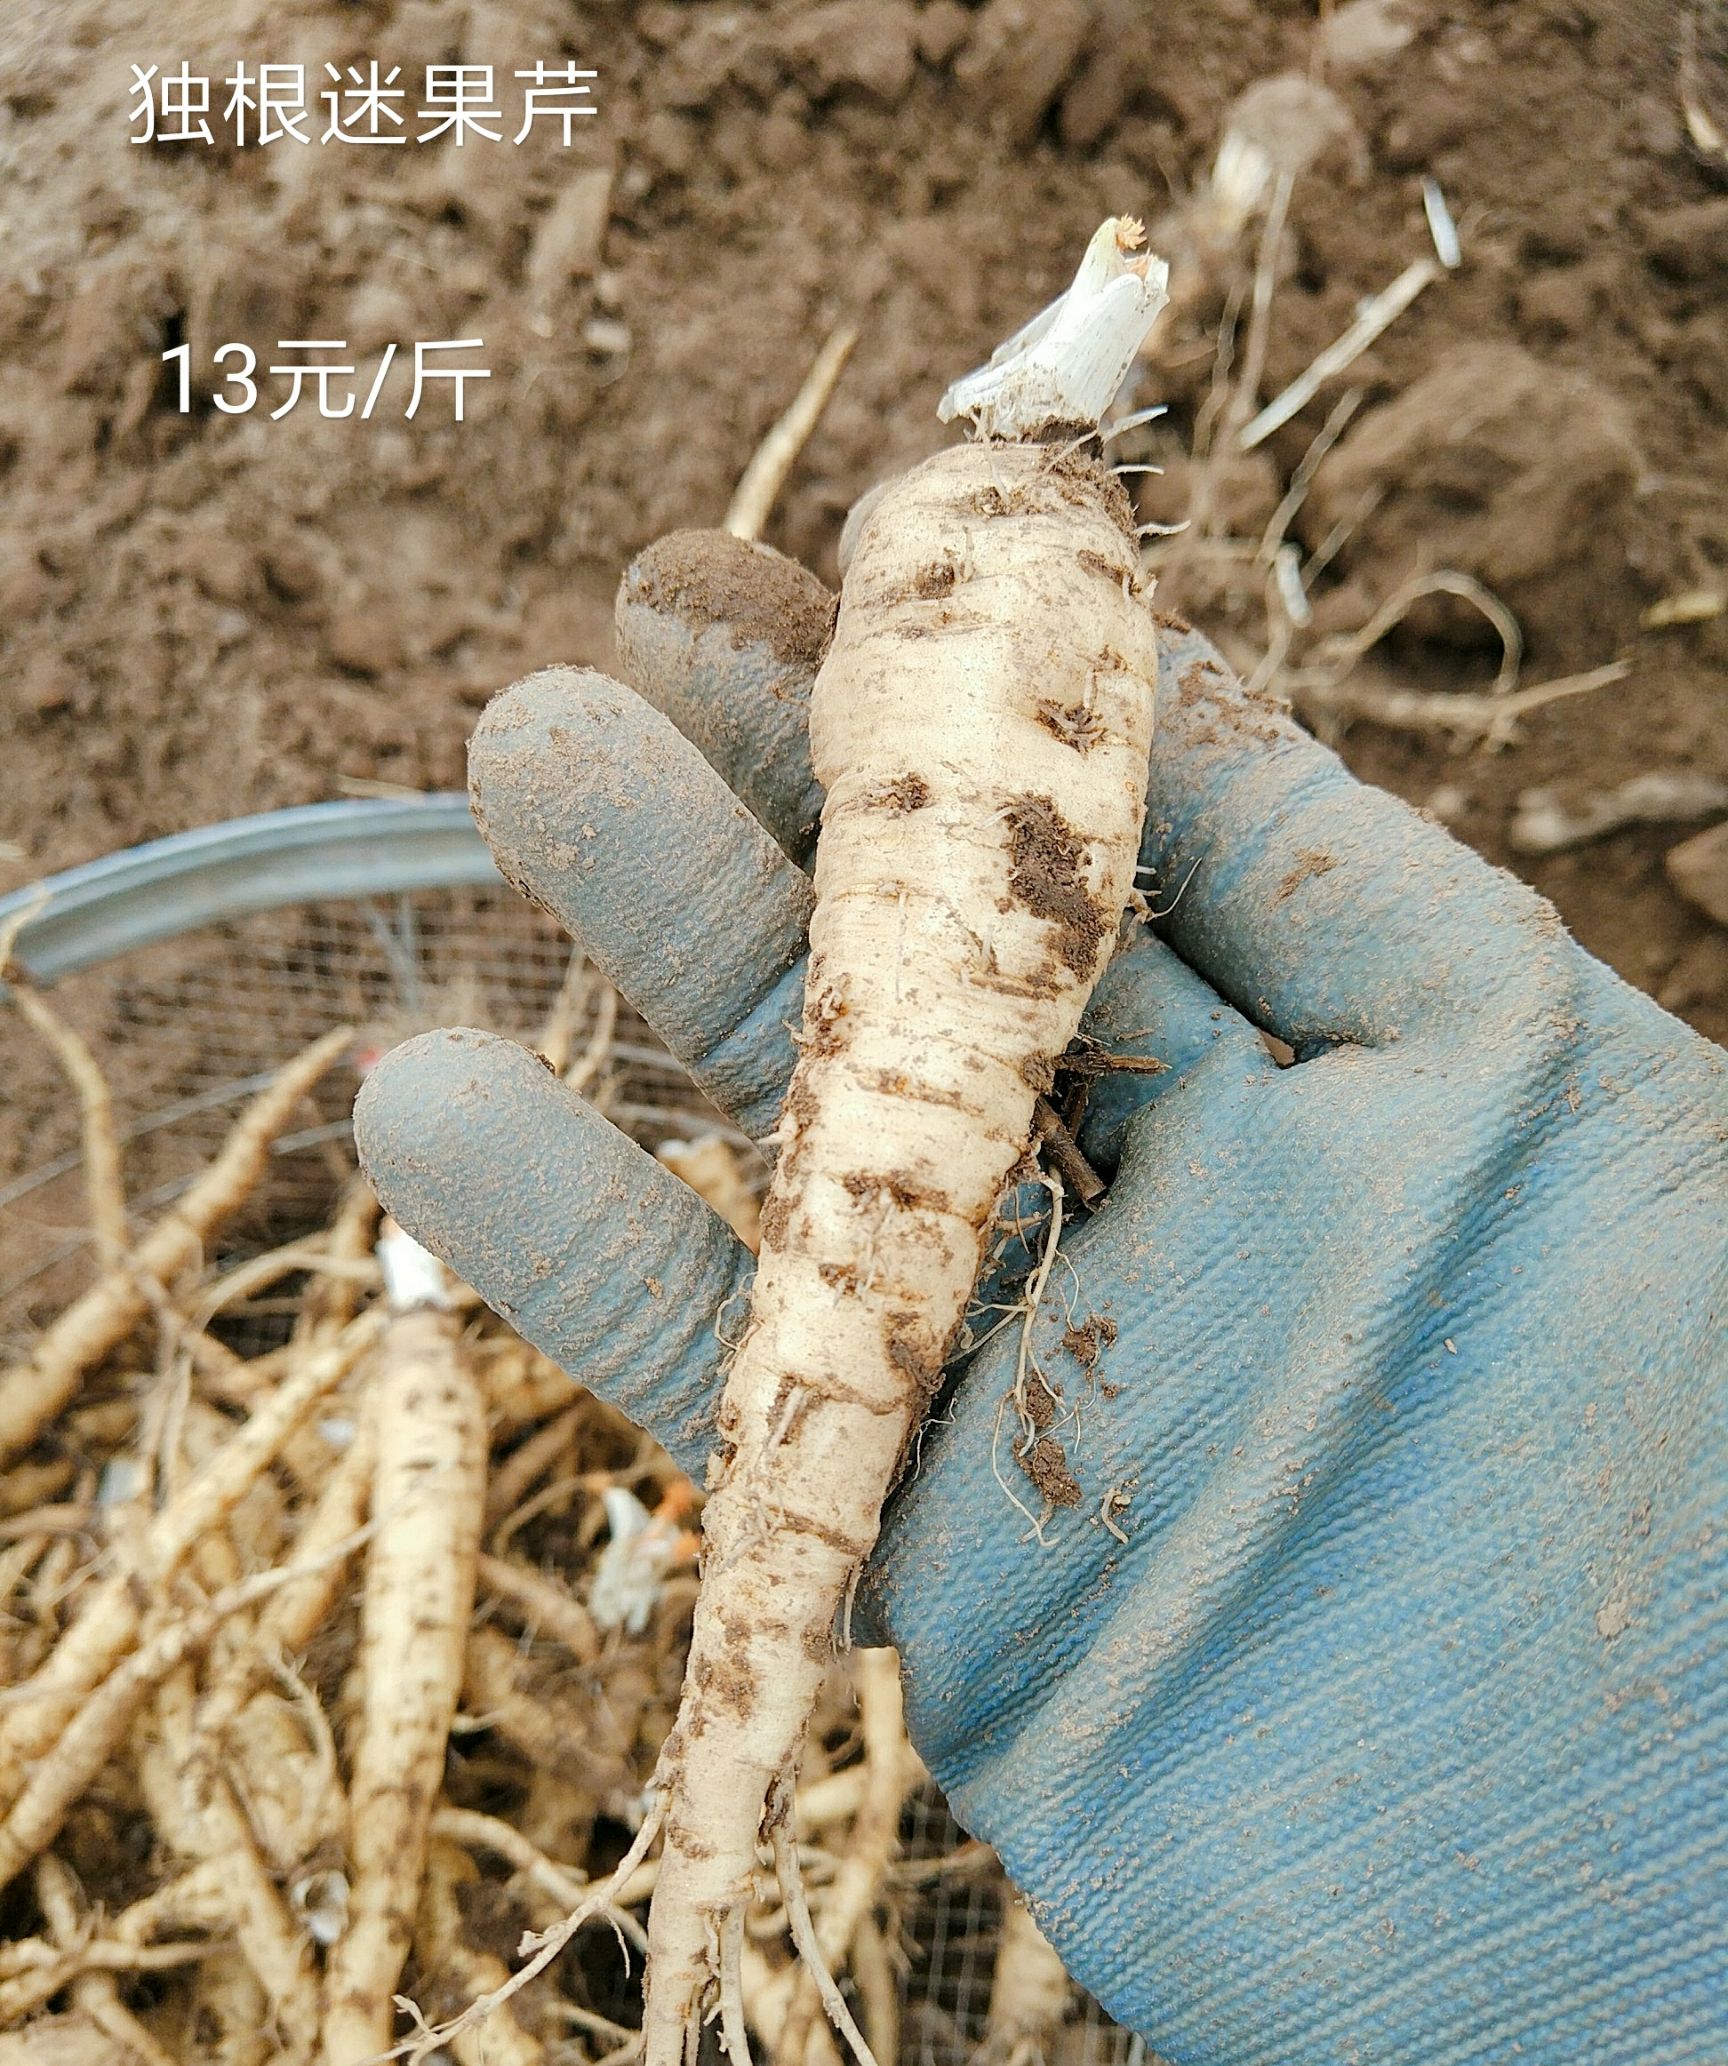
242	1819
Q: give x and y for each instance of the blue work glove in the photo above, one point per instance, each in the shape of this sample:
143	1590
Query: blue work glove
1370	1706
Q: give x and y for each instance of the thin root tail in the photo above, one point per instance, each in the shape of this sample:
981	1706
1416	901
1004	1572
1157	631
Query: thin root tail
545	1946
809	1949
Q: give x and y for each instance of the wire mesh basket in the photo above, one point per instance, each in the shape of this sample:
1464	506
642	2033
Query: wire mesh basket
197	965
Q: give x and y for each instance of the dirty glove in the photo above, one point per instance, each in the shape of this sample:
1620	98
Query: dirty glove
1369	1705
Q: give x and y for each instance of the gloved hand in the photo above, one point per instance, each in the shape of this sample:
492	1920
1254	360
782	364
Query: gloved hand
1371	1705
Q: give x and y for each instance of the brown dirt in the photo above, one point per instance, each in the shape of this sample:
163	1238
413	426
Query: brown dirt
204	615
686	576
1045	873
1046	1464
1040	1455
1087	1342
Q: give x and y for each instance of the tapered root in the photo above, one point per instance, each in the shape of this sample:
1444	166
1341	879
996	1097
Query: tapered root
718	1963
974	864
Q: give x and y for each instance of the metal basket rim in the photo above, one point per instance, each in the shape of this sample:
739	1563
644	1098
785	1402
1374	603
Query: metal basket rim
347	849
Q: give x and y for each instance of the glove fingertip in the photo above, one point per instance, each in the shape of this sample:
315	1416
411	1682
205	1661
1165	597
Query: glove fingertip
724	637
591	1249
759	597
597	808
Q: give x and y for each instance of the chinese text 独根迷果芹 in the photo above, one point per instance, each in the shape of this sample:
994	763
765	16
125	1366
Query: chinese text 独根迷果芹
250	106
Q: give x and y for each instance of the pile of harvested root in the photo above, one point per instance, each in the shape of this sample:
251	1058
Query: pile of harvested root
335	1668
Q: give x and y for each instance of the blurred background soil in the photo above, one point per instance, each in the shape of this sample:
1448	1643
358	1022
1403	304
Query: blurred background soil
202	615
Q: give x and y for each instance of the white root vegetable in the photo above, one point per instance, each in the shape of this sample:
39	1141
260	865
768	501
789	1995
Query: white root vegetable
227	2018
427	1501
202	1819
100	1724
981	726
104	1188
295	1614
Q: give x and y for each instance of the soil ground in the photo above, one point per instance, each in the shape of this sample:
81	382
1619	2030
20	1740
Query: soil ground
204	614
